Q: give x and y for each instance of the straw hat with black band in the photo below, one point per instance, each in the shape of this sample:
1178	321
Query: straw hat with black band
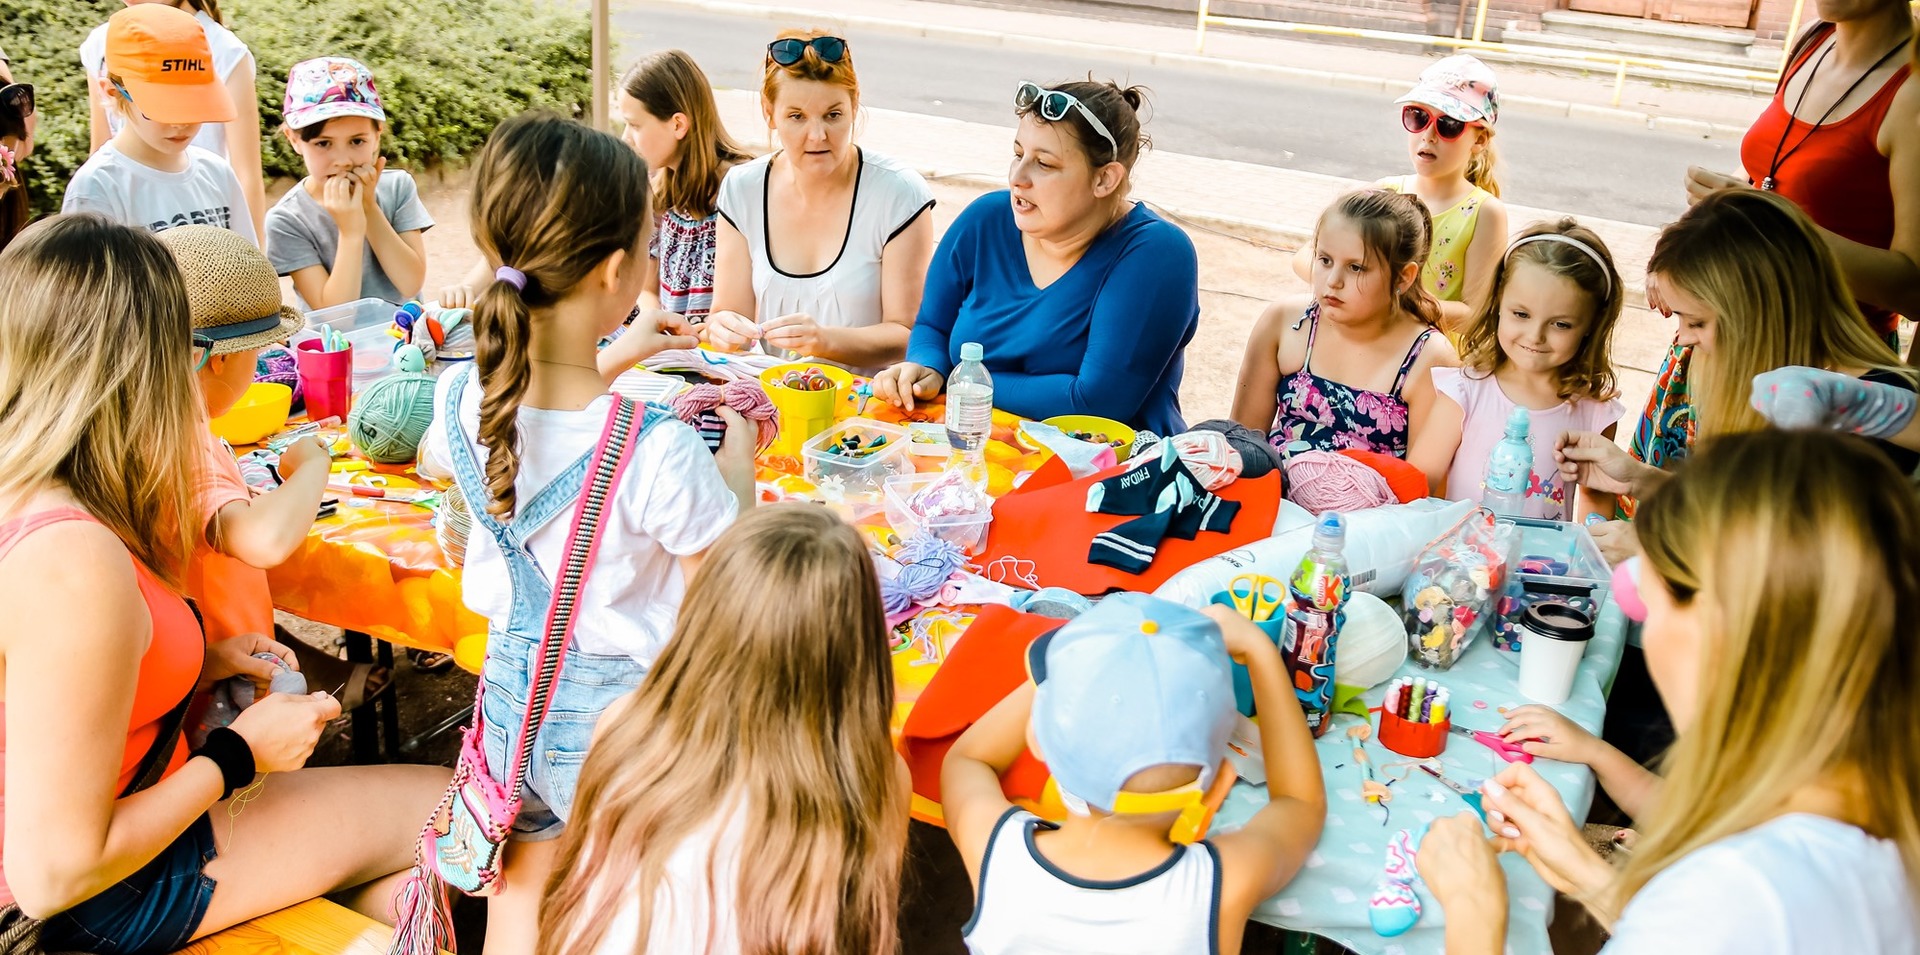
231	289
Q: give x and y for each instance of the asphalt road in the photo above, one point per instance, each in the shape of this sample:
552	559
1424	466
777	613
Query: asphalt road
1601	169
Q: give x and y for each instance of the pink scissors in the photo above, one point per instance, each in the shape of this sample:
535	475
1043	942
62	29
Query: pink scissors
1511	752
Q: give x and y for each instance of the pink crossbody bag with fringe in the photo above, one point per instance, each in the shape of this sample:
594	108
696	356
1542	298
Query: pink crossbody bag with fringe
461	845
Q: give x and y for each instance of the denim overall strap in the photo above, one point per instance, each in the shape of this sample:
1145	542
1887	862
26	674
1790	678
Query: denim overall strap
534	513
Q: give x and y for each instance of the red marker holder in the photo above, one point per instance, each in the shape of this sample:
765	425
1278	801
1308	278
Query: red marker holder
1419	740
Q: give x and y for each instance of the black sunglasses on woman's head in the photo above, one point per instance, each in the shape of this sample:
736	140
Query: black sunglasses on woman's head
789	51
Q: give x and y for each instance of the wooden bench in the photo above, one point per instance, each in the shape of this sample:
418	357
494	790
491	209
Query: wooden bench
318	927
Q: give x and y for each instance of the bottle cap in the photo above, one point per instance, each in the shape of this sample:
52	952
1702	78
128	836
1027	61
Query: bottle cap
1519	422
1332	528
971	351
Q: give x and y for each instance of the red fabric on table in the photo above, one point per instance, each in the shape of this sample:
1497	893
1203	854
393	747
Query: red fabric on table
985	665
1408	483
1045	523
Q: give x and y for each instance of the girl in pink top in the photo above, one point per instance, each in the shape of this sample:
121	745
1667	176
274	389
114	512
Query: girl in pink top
1541	343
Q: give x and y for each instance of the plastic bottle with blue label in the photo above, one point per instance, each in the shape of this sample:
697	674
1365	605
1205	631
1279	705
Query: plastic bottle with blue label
1316	602
1510	467
970	405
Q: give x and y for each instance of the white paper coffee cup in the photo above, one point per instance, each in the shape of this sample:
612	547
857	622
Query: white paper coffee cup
1555	638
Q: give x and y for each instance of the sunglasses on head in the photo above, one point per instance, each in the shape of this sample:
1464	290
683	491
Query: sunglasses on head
791	50
1052	105
18	96
1417	118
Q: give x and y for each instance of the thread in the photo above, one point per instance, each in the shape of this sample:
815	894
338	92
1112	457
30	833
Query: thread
390	416
743	396
926	563
1323	481
1211	459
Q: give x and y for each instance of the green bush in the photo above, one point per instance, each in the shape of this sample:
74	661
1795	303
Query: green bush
448	70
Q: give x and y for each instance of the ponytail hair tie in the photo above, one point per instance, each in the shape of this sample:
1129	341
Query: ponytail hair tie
511	276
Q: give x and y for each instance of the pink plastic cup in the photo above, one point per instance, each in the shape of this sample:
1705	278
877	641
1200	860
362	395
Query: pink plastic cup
327	379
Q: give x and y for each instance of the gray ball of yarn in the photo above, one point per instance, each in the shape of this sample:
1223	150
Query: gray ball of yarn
390	416
1257	457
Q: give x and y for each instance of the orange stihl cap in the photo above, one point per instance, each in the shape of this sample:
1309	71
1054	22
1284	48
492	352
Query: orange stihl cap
161	57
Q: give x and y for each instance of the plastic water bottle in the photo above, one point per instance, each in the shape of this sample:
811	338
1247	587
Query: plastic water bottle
1510	468
970	405
1316	609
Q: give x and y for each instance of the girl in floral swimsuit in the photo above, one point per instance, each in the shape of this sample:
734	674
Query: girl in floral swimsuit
1369	312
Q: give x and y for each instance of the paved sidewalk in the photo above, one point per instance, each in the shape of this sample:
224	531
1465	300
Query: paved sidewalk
1323	61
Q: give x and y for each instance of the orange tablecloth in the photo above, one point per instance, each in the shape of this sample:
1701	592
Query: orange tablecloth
376	567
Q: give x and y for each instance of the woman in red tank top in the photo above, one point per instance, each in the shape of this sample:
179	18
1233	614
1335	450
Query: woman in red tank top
105	832
1839	139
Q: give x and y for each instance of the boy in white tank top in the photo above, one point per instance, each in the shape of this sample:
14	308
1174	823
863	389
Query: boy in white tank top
1130	706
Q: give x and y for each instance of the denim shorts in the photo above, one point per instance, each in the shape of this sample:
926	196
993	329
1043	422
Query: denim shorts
154	910
588	684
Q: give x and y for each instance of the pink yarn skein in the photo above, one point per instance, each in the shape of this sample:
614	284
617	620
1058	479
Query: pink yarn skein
745	397
1323	481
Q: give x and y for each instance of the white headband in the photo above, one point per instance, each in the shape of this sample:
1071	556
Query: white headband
1605	272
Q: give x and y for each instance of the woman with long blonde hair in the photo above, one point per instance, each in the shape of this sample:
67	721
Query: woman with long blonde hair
1752	288
108	821
747	799
1782	588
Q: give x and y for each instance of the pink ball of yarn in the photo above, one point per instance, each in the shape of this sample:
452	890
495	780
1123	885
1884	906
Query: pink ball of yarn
1322	481
745	397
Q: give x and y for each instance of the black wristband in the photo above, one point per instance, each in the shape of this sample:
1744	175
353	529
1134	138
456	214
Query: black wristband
230	752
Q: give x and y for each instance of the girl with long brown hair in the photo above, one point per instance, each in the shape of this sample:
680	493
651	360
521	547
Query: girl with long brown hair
673	123
747	799
1781	583
560	212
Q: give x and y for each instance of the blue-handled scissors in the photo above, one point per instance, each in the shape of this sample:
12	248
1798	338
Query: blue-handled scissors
1257	596
1472	798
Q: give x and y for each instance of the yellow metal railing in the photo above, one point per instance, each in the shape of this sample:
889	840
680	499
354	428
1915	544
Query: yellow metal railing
1619	62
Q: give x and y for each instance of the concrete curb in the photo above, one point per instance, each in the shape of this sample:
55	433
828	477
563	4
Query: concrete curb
1243	68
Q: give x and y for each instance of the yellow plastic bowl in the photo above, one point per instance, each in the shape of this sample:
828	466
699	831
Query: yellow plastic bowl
803	414
258	413
1091	424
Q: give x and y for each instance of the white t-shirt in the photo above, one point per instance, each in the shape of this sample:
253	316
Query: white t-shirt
671	503
135	194
1800	883
228	54
683	906
887	197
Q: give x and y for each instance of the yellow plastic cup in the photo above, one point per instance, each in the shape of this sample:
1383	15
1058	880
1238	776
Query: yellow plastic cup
803	414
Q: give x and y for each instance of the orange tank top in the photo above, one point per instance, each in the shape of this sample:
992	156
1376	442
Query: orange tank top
168	670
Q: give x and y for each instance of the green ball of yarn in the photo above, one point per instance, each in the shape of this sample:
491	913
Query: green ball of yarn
390	416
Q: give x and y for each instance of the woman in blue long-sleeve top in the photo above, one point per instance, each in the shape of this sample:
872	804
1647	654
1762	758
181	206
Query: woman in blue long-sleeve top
1083	300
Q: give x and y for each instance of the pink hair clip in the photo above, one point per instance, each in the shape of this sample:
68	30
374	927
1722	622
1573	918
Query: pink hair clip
7	157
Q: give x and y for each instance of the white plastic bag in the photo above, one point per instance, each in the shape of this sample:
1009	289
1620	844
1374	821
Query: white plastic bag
1382	543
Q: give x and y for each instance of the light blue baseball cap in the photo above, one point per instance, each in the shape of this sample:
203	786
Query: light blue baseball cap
1133	683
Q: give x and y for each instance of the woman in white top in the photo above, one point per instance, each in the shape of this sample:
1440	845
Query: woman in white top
823	247
238	142
1781	600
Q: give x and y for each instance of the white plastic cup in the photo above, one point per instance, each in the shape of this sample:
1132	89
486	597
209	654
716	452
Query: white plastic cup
1554	638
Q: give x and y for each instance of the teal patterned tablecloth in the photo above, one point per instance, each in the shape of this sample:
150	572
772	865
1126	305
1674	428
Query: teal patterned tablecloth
1329	896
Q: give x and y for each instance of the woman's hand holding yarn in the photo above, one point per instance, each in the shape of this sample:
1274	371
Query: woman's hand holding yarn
283	728
797	332
1527	817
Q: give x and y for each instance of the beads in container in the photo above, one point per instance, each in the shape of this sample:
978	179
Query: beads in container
1455	588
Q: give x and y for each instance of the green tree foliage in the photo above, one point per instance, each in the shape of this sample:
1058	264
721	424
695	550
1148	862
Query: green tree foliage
448	70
